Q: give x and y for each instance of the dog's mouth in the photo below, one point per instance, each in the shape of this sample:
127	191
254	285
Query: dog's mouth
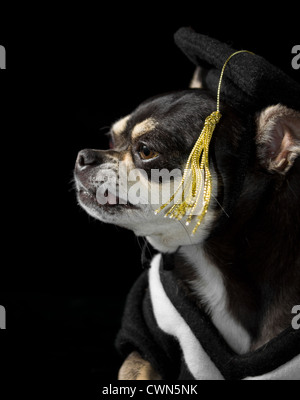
108	200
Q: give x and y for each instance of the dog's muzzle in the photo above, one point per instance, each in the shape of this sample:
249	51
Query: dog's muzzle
96	180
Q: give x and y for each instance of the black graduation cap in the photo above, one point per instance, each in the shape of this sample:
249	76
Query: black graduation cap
250	82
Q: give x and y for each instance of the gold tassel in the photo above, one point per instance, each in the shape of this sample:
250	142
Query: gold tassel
197	177
192	180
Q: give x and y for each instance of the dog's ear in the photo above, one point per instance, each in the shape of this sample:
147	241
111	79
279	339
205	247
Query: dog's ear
278	138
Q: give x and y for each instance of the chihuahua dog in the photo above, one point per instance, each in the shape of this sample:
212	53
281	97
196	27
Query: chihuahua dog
242	266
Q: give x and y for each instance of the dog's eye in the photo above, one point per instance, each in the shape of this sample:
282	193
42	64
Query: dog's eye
146	153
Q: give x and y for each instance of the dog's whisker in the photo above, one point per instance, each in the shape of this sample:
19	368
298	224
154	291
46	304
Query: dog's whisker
144	248
186	231
104	127
291	189
220	206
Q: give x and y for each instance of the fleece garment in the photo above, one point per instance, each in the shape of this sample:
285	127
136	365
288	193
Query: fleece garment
164	325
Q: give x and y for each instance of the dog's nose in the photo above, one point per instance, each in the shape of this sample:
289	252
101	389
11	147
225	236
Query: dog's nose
87	157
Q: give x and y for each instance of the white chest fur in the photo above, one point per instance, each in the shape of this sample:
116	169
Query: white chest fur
210	289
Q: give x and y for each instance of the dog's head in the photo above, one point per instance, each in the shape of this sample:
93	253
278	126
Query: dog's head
125	184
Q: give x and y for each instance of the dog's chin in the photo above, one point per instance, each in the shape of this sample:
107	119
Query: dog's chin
110	213
165	234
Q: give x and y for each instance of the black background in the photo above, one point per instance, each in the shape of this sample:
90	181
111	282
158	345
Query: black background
70	74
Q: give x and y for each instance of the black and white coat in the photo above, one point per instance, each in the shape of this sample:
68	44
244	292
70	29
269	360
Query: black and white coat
181	342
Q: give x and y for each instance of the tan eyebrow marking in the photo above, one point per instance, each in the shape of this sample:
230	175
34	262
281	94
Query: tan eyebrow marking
143	127
120	126
127	159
